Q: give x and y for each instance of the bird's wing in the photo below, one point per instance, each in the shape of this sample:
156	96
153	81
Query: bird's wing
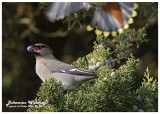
104	21
77	71
60	67
108	17
59	10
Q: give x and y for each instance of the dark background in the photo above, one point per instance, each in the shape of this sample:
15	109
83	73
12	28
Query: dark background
19	79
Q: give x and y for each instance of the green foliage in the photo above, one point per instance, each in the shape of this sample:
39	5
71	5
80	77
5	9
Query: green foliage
43	6
75	18
119	47
124	42
149	9
114	89
78	17
49	92
148	92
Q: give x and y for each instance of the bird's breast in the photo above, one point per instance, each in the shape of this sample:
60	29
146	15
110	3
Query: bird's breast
42	71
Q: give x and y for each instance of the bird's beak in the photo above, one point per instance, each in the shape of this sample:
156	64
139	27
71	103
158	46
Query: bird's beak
30	48
33	48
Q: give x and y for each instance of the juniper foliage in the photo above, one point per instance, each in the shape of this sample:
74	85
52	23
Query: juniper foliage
113	90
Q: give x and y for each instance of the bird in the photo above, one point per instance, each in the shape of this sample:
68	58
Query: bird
47	66
108	18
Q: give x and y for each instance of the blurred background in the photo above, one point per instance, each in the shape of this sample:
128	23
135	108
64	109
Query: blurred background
25	23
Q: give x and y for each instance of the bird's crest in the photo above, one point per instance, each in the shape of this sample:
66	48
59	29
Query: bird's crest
39	44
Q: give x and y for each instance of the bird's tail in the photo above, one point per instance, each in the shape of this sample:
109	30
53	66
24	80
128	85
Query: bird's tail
113	17
94	77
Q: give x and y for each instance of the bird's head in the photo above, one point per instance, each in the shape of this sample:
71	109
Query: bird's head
40	49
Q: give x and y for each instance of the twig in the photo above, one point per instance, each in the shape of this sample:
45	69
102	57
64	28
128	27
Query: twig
130	40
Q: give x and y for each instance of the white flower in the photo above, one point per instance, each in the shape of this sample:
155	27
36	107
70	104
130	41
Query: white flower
135	107
140	110
113	74
138	98
93	60
98	64
110	63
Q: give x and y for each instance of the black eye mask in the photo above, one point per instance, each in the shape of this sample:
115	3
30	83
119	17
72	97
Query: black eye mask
41	46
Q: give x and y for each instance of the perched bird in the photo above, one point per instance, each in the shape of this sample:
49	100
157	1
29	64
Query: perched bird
48	66
108	17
